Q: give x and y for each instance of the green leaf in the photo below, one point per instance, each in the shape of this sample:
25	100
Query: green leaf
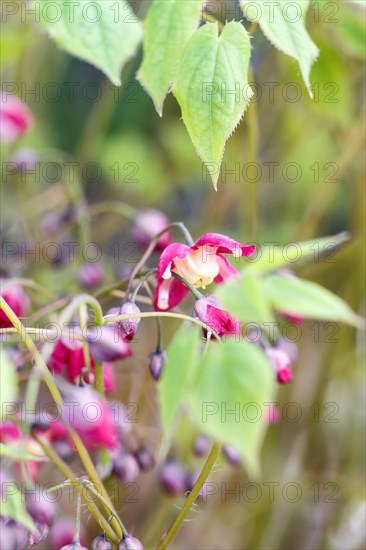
105	33
308	300
182	355
168	26
270	258
211	87
12	505
8	381
283	23
229	396
244	298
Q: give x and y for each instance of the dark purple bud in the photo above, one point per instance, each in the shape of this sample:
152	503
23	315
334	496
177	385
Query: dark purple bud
91	276
231	455
125	467
145	459
130	543
201	445
38	535
130	326
281	364
101	543
172	477
40	508
156	363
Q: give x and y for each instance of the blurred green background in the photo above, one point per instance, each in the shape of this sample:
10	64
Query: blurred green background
124	152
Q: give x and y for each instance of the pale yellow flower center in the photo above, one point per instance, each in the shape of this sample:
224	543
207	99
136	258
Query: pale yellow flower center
199	268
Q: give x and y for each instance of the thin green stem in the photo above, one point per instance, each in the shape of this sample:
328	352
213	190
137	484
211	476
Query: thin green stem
77	519
99	382
211	19
194	291
86	299
206	470
48	378
252	185
141	283
69	475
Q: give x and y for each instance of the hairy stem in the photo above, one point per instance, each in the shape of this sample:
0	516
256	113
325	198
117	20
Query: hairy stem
206	470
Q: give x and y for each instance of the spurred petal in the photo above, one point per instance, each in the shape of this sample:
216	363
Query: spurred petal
175	250
227	271
224	244
169	293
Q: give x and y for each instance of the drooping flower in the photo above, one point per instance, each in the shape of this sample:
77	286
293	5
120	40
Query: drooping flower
15	118
149	223
281	364
108	343
91	275
89	415
200	265
68	355
17	299
208	311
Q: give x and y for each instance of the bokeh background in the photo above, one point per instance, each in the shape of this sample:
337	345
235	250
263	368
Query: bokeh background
124	153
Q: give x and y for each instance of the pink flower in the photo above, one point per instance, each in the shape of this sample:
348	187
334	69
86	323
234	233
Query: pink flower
15	118
89	415
17	299
149	223
281	364
199	264
68	354
208	311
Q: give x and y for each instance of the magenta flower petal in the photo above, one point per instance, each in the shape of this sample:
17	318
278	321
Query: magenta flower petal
173	251
224	244
227	271
169	293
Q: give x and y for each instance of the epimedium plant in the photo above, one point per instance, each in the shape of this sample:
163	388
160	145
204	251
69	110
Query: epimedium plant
228	350
225	352
204	61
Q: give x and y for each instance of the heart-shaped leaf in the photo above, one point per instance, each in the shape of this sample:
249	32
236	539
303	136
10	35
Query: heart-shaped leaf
211	87
228	400
283	23
168	26
105	33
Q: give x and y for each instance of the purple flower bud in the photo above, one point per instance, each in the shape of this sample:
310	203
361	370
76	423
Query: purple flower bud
156	363
74	546
18	535
62	533
38	535
149	223
172	477
145	459
25	159
191	479
130	326
107	343
231	455
43	511
130	543
91	276
101	543
7	537
125	467
201	445
281	364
